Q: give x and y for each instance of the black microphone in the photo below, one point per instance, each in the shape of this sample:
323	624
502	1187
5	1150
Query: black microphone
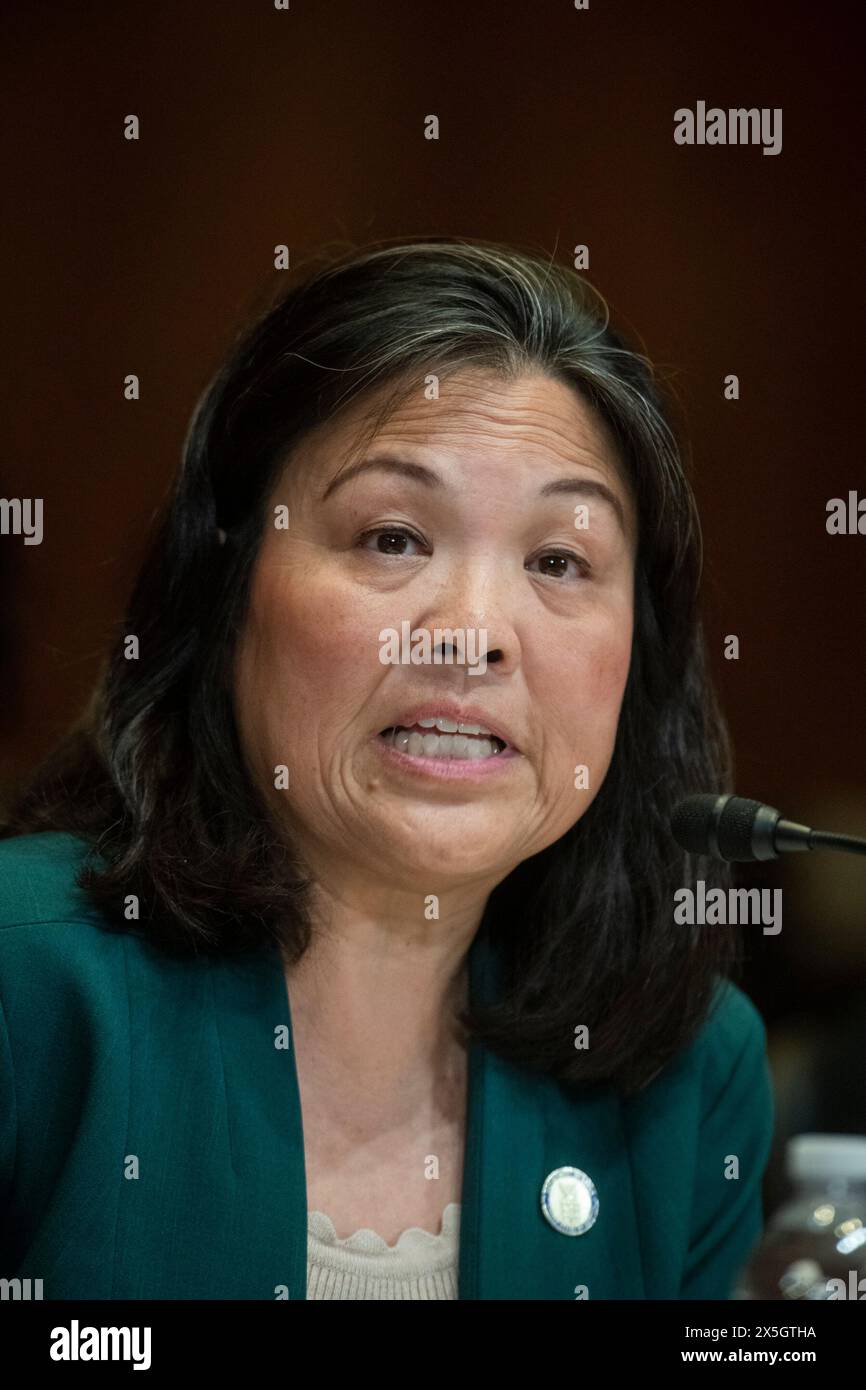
737	829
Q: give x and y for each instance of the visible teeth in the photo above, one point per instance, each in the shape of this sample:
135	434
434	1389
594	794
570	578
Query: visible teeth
447	726
442	745
484	749
450	726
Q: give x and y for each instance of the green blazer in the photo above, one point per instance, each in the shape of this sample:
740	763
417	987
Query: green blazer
151	1142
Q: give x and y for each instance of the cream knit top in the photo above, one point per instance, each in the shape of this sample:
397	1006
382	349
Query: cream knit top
419	1265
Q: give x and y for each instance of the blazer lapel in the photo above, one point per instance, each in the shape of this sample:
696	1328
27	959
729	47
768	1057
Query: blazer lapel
215	1121
522	1126
269	1217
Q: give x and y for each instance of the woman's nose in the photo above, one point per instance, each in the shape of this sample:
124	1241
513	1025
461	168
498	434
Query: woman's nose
473	608
450	651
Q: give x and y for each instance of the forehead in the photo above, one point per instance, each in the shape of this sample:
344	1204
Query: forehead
478	421
472	408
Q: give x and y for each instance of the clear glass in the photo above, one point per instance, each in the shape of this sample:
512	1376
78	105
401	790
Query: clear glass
817	1238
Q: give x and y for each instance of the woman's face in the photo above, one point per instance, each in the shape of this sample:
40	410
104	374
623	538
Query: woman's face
466	523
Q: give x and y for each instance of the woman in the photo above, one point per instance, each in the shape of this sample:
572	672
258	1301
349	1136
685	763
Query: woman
344	921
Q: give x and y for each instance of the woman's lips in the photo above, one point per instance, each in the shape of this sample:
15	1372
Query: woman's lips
427	740
446	757
450	718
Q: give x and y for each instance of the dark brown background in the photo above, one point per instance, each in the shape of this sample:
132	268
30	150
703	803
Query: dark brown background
260	127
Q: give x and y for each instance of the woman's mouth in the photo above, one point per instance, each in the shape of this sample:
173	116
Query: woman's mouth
444	739
446	746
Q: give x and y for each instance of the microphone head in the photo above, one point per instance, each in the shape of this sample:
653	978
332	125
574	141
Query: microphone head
691	822
723	827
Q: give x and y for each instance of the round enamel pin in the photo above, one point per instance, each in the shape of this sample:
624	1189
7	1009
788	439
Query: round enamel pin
569	1201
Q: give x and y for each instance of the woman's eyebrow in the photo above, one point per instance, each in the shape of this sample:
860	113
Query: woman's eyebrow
419	473
588	487
416	472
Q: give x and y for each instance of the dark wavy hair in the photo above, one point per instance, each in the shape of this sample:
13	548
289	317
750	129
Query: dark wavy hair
152	775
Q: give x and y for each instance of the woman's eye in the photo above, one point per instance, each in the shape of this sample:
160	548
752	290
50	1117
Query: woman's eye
389	540
396	540
554	565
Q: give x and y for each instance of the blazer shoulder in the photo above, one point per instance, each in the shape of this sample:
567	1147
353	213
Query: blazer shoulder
730	1042
732	1036
54	941
38	880
723	1074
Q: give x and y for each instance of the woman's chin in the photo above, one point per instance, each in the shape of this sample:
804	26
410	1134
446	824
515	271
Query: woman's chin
475	849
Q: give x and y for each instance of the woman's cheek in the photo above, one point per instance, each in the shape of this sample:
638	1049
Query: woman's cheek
305	620
612	667
594	694
612	655
596	676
